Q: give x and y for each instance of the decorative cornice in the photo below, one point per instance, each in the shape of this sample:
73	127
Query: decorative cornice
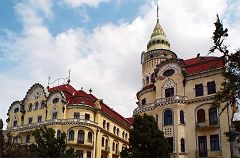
171	100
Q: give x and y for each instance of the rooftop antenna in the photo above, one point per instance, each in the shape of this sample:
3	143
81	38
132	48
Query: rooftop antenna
69	75
49	78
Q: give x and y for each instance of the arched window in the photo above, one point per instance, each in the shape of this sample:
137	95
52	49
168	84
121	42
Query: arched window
126	136
30	107
106	142
182	117
113	146
71	135
200	116
42	104
102	141
168	118
89	136
36	106
58	133
114	129
213	118
117	131
123	134
104	123
147	80
182	145
16	110
108	126
80	137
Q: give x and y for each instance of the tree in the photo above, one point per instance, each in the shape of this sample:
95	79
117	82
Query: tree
229	95
146	140
50	146
1	138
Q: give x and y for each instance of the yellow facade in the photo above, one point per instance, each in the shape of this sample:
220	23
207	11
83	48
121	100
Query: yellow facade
179	93
93	129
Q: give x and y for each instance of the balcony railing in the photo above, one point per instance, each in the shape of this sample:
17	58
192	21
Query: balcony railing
208	124
47	122
106	148
208	153
160	101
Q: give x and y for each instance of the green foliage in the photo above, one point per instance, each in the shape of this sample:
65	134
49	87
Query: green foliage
230	93
46	143
146	140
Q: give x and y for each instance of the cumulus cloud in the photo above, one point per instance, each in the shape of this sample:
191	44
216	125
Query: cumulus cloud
78	3
106	59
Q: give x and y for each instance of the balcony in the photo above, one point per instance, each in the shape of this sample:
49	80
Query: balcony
105	149
51	121
207	125
209	154
160	102
80	143
116	152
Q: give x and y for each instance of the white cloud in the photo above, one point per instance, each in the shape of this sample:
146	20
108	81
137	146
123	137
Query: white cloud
106	59
78	3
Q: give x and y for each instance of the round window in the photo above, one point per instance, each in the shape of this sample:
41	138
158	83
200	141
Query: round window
168	72
55	100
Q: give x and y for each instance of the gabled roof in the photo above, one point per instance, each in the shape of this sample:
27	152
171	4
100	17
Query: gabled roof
201	64
74	96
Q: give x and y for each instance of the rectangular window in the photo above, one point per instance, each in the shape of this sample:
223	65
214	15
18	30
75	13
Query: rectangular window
89	154
79	153
199	90
87	116
54	115
30	121
169	92
214	141
211	86
76	115
156	119
28	139
14	123
39	119
143	101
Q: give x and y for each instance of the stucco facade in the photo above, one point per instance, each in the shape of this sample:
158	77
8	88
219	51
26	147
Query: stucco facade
179	93
93	129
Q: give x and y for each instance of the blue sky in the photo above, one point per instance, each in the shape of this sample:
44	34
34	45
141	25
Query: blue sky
100	41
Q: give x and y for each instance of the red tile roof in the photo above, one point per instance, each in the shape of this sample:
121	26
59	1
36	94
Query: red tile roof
200	64
76	97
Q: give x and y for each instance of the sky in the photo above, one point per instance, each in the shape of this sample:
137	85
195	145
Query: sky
100	41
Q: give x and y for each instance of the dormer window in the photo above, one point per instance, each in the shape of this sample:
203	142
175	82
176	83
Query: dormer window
199	90
168	72
16	110
211	87
143	101
55	100
169	92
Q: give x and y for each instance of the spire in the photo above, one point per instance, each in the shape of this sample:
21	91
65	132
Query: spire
158	38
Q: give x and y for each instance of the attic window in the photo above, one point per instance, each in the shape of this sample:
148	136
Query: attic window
16	110
55	100
168	72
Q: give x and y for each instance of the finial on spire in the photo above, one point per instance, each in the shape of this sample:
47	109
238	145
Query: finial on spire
157	14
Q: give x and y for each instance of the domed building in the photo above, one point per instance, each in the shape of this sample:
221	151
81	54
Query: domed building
93	129
178	93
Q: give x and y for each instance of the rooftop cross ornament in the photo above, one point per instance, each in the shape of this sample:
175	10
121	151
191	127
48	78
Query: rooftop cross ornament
90	90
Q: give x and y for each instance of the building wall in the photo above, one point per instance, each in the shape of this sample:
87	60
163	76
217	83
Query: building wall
65	122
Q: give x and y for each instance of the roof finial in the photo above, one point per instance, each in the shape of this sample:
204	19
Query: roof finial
157	14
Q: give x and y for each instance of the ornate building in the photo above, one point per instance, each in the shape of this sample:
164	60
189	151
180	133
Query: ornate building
178	93
93	129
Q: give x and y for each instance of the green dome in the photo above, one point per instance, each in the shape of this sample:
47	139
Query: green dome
158	39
